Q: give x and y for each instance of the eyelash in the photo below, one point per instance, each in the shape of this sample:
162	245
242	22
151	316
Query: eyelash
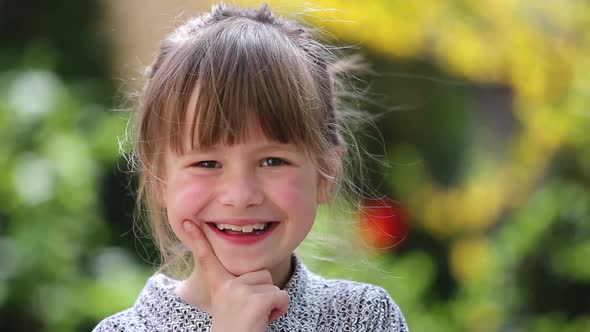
204	164
216	164
282	161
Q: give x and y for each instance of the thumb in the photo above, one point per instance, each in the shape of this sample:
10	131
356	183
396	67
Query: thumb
281	301
206	259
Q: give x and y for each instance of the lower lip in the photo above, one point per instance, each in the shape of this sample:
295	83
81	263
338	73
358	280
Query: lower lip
244	239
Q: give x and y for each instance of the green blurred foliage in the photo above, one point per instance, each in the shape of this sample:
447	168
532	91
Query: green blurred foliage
486	136
59	132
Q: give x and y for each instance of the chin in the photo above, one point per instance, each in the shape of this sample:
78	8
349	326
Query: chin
241	265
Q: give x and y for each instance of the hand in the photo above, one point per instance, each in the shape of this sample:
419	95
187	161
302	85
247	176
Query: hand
244	303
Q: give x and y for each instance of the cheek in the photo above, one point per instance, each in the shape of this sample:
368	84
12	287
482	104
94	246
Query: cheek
185	195
297	194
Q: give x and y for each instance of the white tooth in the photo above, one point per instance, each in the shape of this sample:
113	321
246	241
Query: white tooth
245	228
225	226
234	228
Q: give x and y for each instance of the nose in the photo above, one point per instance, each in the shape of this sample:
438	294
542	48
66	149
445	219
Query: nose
240	189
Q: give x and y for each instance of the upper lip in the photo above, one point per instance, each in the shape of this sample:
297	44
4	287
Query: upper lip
240	222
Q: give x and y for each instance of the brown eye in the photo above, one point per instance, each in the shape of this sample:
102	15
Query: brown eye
208	164
273	162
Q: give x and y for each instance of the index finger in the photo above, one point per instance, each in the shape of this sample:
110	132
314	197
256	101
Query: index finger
208	262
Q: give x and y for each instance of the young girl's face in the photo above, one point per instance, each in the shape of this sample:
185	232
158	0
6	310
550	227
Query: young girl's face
247	185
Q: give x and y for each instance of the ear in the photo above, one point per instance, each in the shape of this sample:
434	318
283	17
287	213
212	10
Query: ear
326	180
325	183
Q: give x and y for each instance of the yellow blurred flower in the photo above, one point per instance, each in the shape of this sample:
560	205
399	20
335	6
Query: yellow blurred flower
470	259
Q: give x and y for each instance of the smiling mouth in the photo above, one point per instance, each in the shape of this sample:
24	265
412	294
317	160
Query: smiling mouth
251	229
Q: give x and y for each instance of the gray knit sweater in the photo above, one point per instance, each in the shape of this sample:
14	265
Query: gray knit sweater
315	304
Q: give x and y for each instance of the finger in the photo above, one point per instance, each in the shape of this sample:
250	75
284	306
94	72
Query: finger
264	289
280	304
275	314
260	277
208	262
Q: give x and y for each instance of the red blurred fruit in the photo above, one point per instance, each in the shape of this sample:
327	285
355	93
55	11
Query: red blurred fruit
383	223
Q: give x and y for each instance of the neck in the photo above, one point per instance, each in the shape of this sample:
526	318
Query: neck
197	292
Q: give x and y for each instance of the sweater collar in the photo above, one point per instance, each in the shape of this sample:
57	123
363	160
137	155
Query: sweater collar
159	304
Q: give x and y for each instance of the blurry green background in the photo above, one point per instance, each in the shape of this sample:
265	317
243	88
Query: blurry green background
484	118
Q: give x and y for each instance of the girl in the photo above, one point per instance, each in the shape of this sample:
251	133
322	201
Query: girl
239	139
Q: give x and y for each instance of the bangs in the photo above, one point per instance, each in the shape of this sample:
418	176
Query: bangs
243	74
